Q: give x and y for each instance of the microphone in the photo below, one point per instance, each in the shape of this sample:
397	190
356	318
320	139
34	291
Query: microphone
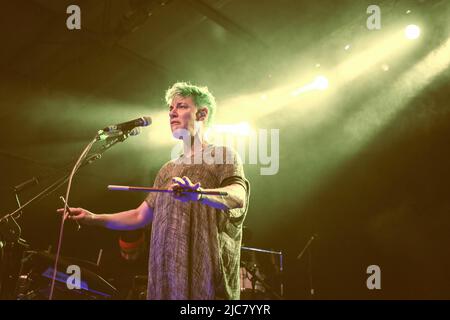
129	125
102	135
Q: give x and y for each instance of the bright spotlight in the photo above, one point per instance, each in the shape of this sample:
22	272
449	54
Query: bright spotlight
412	32
321	82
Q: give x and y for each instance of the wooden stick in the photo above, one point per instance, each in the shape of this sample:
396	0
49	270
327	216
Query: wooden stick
148	189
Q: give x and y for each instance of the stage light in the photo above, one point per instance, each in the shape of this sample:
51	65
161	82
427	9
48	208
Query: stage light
412	32
320	83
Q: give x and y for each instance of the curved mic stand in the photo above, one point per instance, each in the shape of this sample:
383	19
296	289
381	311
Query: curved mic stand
119	136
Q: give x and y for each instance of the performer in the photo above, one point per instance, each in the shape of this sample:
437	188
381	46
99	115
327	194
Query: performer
132	244
195	241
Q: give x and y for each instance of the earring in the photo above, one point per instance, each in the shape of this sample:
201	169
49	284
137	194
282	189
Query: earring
200	114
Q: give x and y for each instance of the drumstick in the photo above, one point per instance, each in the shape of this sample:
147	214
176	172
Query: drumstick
147	189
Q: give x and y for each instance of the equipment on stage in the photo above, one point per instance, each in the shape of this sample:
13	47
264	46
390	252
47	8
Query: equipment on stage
251	286
13	248
36	273
124	130
138	289
129	125
261	274
25	275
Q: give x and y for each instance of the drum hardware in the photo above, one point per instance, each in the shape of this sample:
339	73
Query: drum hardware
34	282
138	290
260	288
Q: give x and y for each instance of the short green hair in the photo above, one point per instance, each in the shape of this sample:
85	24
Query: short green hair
200	95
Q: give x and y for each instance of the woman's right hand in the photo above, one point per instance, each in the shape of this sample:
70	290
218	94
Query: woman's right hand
80	215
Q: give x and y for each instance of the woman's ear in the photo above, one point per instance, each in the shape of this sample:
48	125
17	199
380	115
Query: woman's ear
202	114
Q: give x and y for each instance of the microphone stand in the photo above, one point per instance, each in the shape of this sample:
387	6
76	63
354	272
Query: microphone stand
307	247
119	136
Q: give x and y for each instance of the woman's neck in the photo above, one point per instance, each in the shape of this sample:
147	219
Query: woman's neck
194	145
